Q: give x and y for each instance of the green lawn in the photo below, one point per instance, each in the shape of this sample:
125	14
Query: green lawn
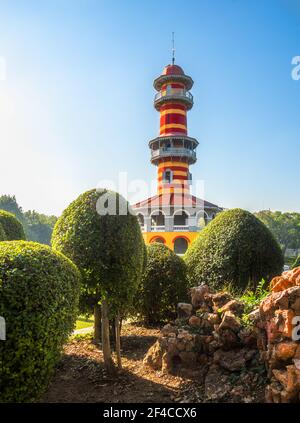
84	322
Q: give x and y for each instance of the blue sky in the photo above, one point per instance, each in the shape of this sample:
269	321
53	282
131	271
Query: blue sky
76	105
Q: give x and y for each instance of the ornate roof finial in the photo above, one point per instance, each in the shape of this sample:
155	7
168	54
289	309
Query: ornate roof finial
173	49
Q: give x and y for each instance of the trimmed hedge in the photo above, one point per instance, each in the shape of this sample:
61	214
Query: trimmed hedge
2	234
39	292
12	227
235	248
108	249
164	284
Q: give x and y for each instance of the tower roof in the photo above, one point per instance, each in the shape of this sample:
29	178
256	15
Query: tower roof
172	70
173	73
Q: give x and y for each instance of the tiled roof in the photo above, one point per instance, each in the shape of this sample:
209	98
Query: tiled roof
173	200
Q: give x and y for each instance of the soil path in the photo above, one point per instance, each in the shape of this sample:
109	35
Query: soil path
80	376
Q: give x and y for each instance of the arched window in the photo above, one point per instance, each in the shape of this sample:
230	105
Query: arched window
158	239
202	219
140	219
157	218
180	246
181	218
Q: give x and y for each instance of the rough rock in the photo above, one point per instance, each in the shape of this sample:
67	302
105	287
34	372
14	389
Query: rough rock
220	299
169	329
229	321
198	295
195	321
217	383
285	350
275	338
235	306
184	310
234	360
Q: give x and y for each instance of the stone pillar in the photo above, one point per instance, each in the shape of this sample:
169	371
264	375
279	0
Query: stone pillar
169	223
147	221
192	222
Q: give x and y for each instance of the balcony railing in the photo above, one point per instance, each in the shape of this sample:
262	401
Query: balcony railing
180	228
174	93
178	152
157	228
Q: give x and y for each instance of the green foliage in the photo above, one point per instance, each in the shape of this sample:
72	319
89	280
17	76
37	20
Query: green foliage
9	203
284	226
39	292
252	300
12	227
163	285
296	263
2	234
108	250
38	227
234	249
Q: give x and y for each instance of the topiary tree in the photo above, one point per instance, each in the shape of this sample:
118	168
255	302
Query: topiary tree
108	248
235	248
39	292
163	285
296	263
2	234
12	227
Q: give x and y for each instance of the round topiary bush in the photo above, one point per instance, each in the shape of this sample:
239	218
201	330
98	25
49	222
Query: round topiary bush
39	292
235	248
163	285
2	234
12	227
108	249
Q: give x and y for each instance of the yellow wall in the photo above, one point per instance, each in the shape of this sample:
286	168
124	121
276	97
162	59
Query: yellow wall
169	237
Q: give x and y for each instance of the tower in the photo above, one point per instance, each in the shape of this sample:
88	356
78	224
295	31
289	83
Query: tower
173	151
173	216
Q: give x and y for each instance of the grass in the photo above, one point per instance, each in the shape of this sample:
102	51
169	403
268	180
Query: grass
84	322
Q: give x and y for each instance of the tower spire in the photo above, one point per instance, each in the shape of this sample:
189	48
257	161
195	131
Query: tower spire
173	48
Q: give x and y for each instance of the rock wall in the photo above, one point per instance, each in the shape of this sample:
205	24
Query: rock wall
209	341
278	337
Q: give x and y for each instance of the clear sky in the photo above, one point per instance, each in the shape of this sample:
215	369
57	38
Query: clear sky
76	105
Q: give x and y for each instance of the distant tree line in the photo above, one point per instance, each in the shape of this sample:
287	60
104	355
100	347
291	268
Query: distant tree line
284	226
38	227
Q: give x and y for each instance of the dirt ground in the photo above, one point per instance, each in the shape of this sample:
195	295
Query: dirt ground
80	375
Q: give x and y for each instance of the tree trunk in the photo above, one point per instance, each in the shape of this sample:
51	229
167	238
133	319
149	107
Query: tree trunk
108	362
118	341
112	334
97	323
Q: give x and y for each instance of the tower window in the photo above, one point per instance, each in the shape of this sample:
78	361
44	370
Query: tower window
168	176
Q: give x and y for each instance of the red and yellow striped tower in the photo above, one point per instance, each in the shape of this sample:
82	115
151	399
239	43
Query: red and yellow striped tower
172	216
173	151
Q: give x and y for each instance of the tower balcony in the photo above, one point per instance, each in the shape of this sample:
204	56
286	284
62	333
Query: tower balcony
182	96
165	152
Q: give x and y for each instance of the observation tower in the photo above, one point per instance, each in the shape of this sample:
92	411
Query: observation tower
173	216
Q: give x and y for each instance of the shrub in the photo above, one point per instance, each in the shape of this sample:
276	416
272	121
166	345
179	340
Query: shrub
12	227
164	284
235	248
296	263
39	292
2	234
108	250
